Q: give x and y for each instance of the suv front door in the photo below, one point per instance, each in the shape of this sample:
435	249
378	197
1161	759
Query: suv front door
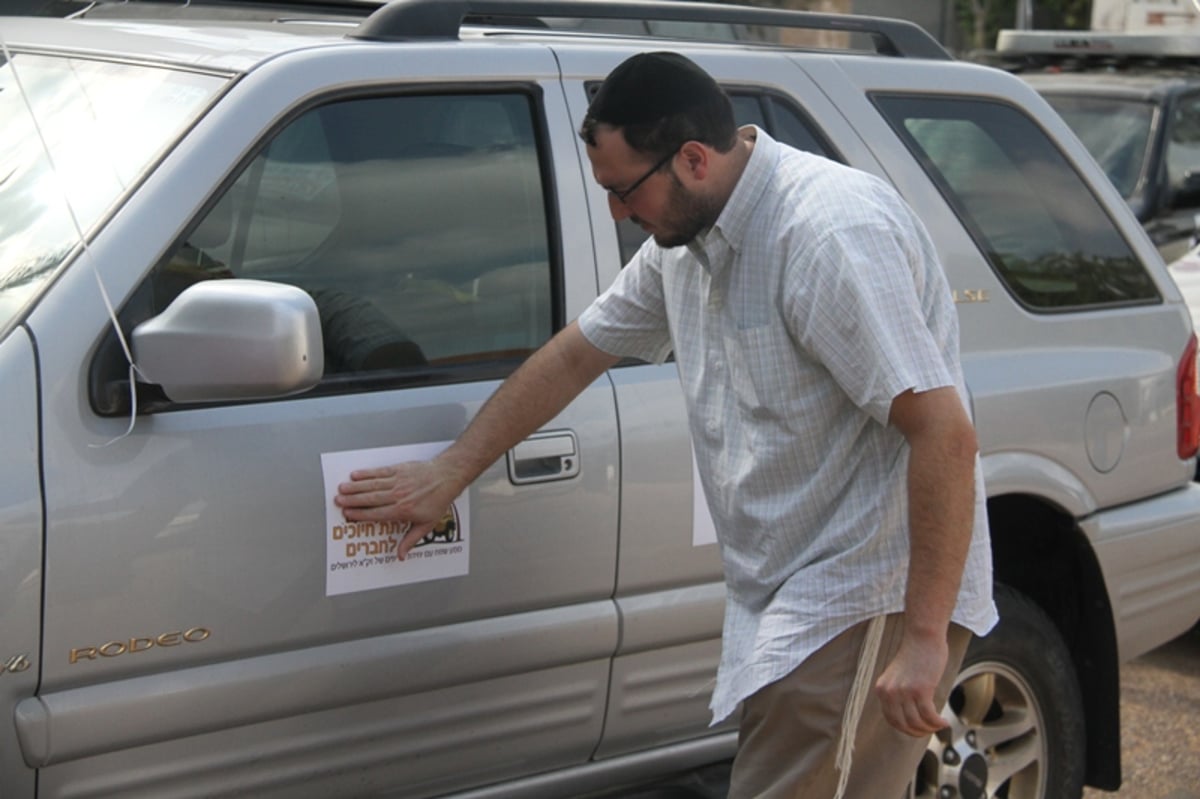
211	625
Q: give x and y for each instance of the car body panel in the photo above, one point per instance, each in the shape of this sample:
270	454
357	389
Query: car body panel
20	547
207	48
1148	553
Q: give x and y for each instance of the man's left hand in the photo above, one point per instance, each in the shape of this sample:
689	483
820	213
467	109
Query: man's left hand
907	686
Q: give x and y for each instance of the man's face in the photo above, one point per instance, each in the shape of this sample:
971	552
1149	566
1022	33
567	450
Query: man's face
656	199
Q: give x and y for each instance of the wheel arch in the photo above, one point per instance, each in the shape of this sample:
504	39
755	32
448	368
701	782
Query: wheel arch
1039	551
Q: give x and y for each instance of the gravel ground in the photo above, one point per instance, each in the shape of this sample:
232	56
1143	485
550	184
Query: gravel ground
1160	722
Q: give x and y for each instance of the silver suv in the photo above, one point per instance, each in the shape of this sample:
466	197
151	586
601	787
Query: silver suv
247	248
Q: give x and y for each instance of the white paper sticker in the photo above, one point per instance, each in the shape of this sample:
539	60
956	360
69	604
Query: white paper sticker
704	531
361	556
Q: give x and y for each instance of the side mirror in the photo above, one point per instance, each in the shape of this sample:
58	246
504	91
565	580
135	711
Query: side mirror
232	340
1186	193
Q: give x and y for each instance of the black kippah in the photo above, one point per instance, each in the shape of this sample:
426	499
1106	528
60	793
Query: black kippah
650	86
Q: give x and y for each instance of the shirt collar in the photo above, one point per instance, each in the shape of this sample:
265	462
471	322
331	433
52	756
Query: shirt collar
735	217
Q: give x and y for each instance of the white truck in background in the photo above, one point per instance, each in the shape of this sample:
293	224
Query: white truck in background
1146	16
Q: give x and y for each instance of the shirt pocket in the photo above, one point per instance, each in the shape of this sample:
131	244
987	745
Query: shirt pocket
764	366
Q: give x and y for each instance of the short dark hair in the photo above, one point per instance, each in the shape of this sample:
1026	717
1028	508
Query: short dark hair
659	101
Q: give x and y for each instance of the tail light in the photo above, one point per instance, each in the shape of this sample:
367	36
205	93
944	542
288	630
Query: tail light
1187	403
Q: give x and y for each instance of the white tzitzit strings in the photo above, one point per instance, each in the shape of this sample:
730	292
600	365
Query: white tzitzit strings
857	699
87	253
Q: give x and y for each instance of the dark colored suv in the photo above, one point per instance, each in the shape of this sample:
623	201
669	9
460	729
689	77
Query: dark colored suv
1134	101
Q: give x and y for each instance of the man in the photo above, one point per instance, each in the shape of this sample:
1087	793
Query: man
817	345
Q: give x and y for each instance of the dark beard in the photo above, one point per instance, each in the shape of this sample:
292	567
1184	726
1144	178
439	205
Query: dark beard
689	215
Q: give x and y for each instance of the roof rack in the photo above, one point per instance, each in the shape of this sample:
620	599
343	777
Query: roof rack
359	7
1097	44
442	19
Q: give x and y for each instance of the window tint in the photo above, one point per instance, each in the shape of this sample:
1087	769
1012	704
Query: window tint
68	153
1032	216
1183	152
774	115
1115	130
417	224
782	120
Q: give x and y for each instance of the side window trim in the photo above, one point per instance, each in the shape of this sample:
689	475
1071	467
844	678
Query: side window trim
109	387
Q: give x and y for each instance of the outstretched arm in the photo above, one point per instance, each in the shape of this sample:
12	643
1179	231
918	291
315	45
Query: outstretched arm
418	493
941	497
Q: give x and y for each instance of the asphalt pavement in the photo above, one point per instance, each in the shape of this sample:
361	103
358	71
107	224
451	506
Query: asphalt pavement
1160	723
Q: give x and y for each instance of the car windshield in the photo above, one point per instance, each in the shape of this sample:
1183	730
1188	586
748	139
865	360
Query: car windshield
1115	131
75	134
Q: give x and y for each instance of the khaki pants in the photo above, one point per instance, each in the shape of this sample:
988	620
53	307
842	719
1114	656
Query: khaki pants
789	733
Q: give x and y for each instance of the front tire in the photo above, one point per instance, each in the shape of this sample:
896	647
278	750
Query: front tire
1016	716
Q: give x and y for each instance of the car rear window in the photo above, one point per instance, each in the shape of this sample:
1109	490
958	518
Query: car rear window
1044	233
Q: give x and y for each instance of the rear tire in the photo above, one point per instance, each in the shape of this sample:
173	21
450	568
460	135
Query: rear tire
1016	715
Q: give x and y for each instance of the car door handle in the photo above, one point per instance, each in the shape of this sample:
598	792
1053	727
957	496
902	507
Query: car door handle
544	457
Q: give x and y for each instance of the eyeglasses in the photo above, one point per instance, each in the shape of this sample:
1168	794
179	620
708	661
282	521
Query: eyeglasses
621	195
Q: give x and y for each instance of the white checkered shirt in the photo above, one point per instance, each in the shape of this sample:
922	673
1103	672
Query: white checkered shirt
814	300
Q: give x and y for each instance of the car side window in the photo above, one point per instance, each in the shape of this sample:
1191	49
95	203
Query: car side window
1115	130
417	223
1044	233
782	120
1183	152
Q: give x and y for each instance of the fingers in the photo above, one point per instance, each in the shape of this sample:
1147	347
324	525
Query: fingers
362	500
931	719
414	535
365	508
413	494
906	700
921	719
907	686
912	715
368	474
361	483
368	488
